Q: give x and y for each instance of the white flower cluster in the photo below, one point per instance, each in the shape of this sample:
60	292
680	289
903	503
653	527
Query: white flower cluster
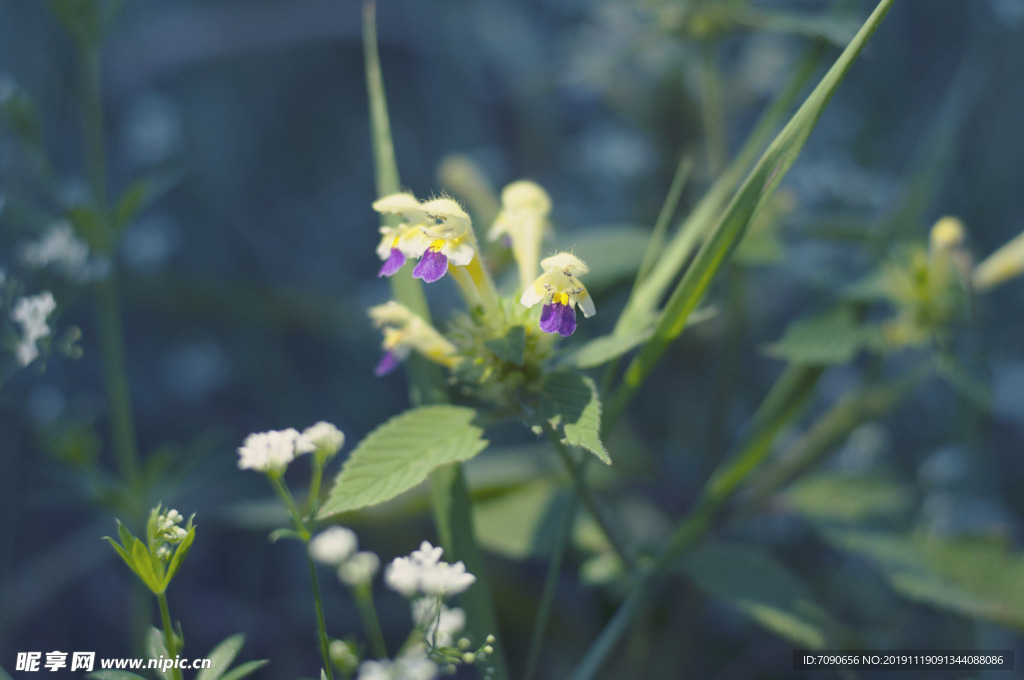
423	572
31	314
412	665
327	439
272	451
167	528
439	624
61	248
337	546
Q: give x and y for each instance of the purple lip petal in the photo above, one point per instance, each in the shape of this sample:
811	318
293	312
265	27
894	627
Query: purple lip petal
387	363
558	318
566	316
391	265
431	266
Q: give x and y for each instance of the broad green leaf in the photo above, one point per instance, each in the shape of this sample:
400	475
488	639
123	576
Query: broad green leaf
570	403
831	338
512	347
512	524
730	228
612	253
242	670
103	675
221	657
400	454
762	588
833	497
976	577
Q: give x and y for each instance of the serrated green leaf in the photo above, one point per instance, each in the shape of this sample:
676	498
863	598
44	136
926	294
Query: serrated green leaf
731	226
571	404
110	675
242	670
762	588
513	523
512	347
831	338
221	657
400	454
975	577
833	497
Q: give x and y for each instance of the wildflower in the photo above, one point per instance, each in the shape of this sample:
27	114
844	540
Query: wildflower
1001	266
333	545
406	240
560	290
31	313
166	526
523	219
344	656
422	571
61	248
359	569
413	664
270	452
327	439
440	624
405	332
450	236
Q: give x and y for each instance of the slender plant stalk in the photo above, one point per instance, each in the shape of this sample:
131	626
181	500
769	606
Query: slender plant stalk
368	612
170	642
780	406
540	621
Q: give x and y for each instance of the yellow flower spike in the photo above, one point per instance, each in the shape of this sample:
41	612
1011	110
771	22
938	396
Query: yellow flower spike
525	208
1001	266
561	292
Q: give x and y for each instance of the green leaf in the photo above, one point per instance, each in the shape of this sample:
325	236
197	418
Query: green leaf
831	338
512	347
607	347
88	226
155	648
400	454
242	670
976	577
762	588
142	193
277	534
730	228
126	536
570	403
513	523
143	562
111	675
221	657
178	558
832	497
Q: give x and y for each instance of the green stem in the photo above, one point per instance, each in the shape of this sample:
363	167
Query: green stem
578	470
368	612
313	502
170	641
540	622
782	404
453	515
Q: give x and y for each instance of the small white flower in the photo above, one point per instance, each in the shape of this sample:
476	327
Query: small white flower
272	451
61	248
164	552
334	545
359	569
427	555
31	314
325	437
412	665
445	579
403	576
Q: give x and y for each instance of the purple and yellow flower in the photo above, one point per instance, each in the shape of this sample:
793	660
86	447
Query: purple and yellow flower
405	332
398	243
561	292
449	239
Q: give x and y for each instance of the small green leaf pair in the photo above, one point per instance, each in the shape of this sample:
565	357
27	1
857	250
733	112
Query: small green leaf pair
158	559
